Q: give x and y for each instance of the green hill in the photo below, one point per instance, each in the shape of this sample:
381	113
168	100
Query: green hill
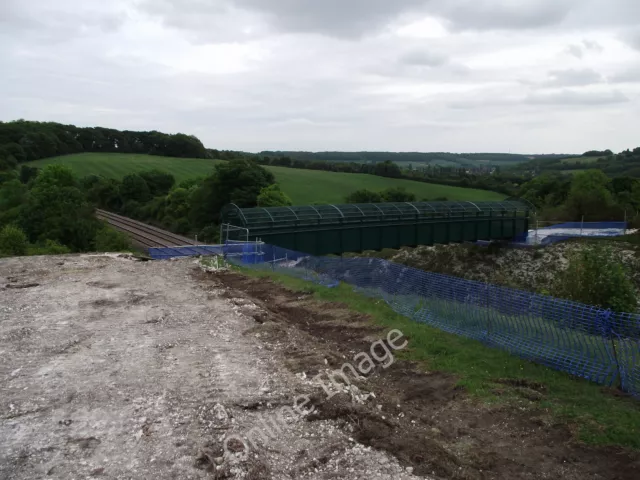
303	186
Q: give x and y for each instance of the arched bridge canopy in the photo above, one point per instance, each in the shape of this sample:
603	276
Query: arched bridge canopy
297	216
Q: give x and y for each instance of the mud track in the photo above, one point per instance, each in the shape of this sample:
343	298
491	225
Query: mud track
420	417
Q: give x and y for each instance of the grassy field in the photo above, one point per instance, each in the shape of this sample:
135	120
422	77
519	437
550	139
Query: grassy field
303	186
580	160
308	186
595	414
117	165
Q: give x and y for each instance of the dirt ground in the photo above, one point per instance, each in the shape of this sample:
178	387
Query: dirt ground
115	368
422	418
119	369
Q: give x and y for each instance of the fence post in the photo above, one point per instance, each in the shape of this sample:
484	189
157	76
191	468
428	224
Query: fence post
488	310
606	319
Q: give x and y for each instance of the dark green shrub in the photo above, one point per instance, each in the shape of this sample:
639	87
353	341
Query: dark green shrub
110	240
596	275
13	241
50	247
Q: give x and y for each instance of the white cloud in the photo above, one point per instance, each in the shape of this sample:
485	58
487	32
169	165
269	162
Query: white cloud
519	75
628	75
573	77
577	98
423	57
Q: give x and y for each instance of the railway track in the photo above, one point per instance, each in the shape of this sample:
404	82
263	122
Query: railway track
145	235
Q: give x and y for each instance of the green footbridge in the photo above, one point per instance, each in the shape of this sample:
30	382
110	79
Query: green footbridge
337	229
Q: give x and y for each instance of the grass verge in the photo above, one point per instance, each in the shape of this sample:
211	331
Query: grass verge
596	415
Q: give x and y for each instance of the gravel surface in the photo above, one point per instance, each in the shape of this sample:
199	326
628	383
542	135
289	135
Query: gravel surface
117	368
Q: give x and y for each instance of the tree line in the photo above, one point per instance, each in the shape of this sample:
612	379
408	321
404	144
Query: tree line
24	141
405	157
47	212
625	163
50	210
590	195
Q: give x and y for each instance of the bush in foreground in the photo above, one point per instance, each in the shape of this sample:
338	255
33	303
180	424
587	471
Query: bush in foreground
13	241
110	240
596	275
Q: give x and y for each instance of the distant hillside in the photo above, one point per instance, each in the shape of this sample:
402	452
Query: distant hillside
25	141
626	163
415	158
303	186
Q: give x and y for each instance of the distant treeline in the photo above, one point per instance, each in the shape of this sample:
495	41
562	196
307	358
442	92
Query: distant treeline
406	157
597	153
626	163
382	169
505	183
24	141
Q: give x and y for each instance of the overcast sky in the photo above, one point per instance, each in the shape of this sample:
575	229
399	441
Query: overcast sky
530	76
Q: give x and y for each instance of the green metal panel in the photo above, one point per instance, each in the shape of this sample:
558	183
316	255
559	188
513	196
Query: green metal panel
329	241
408	235
306	242
352	239
469	230
390	237
455	231
371	238
323	229
484	229
441	232
508	224
496	230
425	234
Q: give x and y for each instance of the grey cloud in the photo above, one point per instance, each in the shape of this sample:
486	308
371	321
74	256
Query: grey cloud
573	78
366	87
38	21
347	19
480	103
631	75
589	13
502	14
423	57
216	21
577	98
575	50
592	45
578	50
351	18
632	38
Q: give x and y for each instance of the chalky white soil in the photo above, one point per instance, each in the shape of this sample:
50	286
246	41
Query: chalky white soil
119	369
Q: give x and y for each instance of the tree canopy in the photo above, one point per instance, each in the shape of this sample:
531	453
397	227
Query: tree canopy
237	181
23	141
272	196
589	194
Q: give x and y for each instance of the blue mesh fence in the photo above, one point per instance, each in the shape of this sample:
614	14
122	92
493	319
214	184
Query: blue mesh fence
589	342
589	225
165	253
565	231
